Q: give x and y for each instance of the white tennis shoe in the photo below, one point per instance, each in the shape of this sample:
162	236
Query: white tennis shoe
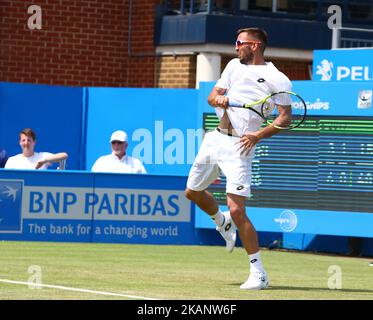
256	281
228	231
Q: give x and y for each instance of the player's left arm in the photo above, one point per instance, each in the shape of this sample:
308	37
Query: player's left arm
250	139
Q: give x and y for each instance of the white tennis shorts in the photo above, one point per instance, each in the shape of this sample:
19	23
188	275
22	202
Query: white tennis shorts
220	152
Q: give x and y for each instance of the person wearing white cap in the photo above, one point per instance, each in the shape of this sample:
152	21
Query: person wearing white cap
118	161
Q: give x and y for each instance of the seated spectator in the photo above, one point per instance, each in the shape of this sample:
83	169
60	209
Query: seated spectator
3	158
118	161
29	159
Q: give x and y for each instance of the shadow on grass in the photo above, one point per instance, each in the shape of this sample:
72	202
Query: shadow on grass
288	288
319	289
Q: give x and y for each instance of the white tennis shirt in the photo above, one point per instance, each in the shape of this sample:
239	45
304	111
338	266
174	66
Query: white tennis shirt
19	161
249	83
111	163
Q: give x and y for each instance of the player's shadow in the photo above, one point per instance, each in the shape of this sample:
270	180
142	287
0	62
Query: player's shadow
284	288
319	289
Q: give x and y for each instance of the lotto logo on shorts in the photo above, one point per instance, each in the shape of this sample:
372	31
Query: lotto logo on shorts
10	205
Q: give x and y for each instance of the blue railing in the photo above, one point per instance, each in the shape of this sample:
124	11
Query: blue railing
354	11
199	6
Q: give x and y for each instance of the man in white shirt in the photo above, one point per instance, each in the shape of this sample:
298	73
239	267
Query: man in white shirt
29	159
231	147
118	161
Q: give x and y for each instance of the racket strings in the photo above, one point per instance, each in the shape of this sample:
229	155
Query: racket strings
278	101
268	108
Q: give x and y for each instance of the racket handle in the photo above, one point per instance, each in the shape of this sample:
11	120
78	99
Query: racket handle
234	103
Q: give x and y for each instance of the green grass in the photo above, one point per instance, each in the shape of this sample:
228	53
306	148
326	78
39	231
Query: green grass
174	272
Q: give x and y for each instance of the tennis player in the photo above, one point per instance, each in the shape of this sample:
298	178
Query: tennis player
29	159
231	147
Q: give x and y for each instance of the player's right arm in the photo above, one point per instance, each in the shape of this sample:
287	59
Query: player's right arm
217	98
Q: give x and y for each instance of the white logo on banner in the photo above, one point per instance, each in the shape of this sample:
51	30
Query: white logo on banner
318	105
364	99
288	220
10	205
324	69
350	73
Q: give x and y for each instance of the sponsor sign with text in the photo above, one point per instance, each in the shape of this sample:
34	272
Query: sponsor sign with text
115	208
343	65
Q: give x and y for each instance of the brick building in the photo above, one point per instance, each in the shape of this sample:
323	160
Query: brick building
121	43
80	43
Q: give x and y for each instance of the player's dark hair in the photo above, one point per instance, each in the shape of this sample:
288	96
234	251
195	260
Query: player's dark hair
258	34
28	133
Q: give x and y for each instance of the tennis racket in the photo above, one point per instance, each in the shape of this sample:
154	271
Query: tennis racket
267	109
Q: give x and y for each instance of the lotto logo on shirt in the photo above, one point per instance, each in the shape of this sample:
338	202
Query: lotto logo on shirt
10	205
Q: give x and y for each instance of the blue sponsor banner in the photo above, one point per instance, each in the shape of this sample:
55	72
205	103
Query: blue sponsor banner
141	209
286	220
336	98
87	207
343	65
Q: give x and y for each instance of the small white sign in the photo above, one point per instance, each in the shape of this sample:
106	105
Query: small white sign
364	99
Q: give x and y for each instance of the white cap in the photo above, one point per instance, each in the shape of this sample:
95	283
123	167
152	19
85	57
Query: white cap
118	136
